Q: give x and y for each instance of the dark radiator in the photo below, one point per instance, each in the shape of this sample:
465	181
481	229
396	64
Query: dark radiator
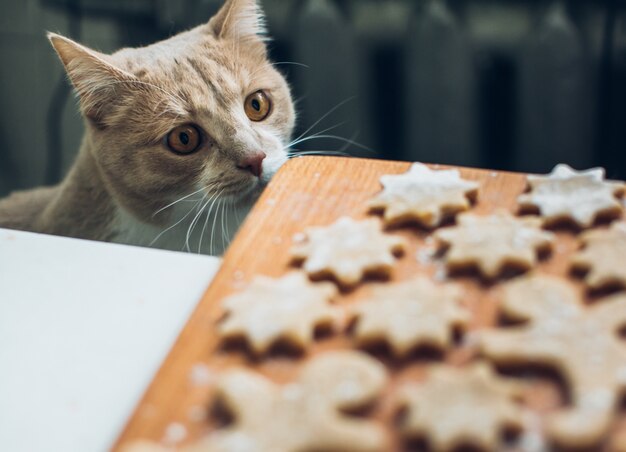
512	84
509	85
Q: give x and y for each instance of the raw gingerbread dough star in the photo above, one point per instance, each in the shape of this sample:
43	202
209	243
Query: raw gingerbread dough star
410	314
603	257
423	196
308	414
582	344
493	242
453	407
579	196
348	250
288	308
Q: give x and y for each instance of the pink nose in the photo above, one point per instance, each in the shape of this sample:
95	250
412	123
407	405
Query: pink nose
253	162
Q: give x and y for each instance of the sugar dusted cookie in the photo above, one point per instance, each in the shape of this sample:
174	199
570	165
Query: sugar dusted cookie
493	242
308	414
410	314
578	196
582	344
455	407
423	196
603	257
288	308
347	250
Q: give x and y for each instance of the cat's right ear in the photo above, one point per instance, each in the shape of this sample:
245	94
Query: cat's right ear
100	85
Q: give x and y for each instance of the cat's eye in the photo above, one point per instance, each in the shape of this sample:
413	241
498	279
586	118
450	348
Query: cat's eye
184	139
258	106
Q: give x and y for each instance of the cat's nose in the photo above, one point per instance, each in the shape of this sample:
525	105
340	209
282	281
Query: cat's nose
253	162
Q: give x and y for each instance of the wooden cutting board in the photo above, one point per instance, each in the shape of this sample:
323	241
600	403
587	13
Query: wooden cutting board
311	191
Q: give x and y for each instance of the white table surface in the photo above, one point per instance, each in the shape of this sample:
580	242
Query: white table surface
84	326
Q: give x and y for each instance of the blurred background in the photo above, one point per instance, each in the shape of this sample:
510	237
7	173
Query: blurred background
507	84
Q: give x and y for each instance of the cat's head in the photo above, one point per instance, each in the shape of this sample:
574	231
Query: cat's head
203	110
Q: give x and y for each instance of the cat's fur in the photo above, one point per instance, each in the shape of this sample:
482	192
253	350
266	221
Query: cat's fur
124	176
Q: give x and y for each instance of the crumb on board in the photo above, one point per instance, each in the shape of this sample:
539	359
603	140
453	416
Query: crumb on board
200	375
175	432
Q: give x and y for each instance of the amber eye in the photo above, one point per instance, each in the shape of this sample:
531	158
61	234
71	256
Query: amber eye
184	139
258	106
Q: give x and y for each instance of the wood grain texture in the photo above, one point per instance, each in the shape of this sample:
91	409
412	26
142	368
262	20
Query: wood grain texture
311	191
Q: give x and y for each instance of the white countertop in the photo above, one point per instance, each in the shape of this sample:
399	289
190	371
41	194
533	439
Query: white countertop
84	326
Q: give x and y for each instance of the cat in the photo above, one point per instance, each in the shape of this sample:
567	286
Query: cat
181	136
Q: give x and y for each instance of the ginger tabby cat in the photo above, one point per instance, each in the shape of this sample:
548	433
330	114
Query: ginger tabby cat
180	138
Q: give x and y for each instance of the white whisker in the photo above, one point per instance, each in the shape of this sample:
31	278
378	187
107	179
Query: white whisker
211	249
175	202
331	111
329	153
295	142
232	209
223	228
237	216
173	226
206	220
192	225
214	198
334	137
347	144
292	63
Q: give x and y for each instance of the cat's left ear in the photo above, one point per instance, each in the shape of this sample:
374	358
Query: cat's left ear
241	20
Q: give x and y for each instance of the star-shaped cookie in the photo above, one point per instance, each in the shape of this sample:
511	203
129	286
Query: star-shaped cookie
582	344
348	250
308	414
456	407
410	314
423	196
603	257
288	308
493	242
578	196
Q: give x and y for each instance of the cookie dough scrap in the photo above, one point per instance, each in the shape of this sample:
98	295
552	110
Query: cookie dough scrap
348	250
305	414
603	257
578	196
423	196
287	308
582	344
454	407
410	314
494	242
